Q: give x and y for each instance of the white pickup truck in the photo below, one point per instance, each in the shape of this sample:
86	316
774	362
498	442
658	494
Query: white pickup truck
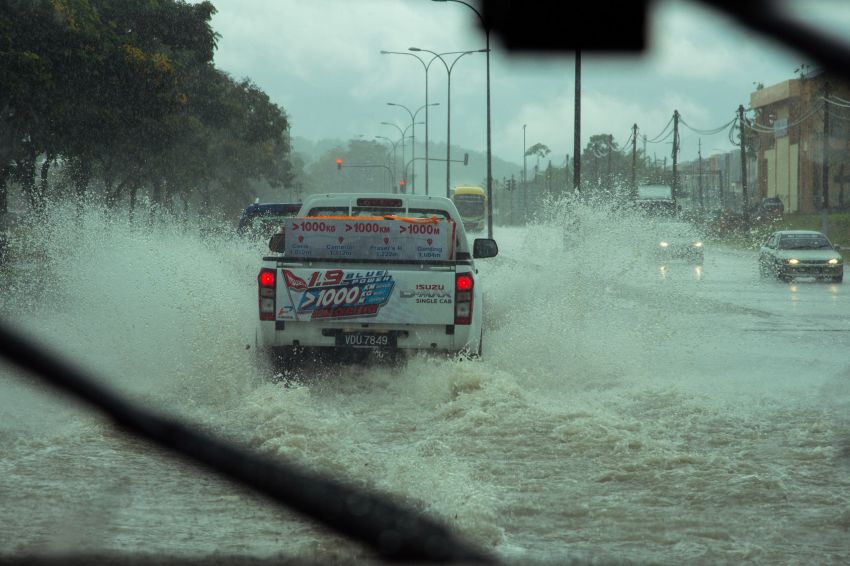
372	272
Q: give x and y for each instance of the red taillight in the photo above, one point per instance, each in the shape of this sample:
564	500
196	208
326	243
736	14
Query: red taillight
267	277
266	293
463	298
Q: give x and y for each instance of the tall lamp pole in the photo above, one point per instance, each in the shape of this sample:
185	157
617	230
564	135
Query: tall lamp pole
394	145
427	67
449	106
577	126
489	145
413	134
402	133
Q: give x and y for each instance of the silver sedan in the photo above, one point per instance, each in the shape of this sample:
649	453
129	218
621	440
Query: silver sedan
800	253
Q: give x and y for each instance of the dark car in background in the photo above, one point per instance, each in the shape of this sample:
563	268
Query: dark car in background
769	207
260	221
678	241
800	253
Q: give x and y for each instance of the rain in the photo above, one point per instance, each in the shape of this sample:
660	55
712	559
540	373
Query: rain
630	404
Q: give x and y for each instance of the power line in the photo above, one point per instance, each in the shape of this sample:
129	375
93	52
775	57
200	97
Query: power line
837	102
730	133
772	130
657	138
707	132
839	99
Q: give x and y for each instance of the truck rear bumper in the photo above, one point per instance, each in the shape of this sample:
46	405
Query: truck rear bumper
436	338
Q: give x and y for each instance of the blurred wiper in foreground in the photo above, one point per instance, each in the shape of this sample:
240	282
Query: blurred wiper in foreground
393	532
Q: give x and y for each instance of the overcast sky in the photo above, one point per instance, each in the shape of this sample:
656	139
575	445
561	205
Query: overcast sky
320	60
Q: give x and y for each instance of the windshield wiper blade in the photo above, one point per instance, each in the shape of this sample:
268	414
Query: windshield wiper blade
392	531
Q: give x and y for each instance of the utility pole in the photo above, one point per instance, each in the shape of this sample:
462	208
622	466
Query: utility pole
675	155
524	177
744	196
577	127
513	189
824	224
699	175
634	161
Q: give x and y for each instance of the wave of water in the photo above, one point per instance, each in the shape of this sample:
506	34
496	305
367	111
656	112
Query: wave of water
589	428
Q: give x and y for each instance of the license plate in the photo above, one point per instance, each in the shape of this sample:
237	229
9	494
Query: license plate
365	340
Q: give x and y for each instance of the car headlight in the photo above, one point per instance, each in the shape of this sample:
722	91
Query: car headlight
697	244
793	261
833	261
664	244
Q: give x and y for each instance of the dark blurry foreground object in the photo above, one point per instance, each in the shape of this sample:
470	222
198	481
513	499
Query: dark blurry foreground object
622	27
391	531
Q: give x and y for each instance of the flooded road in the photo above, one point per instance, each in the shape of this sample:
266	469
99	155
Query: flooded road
621	410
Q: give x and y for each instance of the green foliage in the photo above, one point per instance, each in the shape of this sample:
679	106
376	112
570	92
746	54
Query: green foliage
538	149
125	95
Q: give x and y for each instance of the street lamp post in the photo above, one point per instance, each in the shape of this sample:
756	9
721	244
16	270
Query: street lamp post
448	104
489	145
524	177
402	133
413	134
395	156
427	67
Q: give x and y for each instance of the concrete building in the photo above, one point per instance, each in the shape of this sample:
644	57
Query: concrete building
789	125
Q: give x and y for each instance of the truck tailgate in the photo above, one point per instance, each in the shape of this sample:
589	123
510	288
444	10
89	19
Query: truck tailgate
419	295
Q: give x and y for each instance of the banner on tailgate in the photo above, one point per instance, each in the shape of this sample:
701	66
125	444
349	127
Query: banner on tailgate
375	238
335	294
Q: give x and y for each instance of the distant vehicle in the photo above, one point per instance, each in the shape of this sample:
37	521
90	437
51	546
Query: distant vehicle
800	253
770	207
679	241
471	202
260	221
656	200
372	272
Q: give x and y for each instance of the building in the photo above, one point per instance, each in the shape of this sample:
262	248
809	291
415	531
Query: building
789	125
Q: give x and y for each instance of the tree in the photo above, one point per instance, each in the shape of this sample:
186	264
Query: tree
124	95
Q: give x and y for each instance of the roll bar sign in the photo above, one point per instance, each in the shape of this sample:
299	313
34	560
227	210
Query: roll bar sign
379	239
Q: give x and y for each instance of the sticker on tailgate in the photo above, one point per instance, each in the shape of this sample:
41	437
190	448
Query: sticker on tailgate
335	294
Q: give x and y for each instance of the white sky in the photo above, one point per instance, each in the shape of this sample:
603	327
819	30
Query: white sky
320	61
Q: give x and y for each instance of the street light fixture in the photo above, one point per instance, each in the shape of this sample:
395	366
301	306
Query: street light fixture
449	104
401	133
394	146
489	145
413	134
427	67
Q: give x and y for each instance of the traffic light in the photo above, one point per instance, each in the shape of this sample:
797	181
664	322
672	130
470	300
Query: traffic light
339	164
402	186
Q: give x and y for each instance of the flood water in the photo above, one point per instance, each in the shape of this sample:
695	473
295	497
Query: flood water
620	411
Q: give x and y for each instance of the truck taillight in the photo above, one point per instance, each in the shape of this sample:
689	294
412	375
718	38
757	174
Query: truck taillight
463	298
266	293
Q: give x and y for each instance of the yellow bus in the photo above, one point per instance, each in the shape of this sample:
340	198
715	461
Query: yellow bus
471	202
